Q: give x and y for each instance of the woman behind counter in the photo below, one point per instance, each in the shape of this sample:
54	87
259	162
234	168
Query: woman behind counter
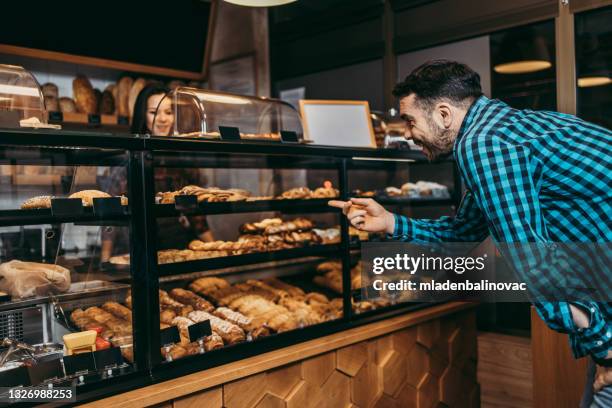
176	233
146	107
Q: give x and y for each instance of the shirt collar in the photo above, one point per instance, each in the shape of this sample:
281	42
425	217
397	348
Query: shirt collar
470	116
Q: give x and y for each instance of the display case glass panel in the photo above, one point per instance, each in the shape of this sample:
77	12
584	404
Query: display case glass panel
191	112
21	99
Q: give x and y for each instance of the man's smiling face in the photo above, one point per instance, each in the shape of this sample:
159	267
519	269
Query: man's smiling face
423	128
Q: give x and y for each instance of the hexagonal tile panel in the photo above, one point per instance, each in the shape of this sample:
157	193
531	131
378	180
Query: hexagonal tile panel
405	340
244	392
336	391
384	346
393	373
407	396
303	395
350	359
271	401
417	365
317	370
427	392
365	385
281	380
428	333
451	386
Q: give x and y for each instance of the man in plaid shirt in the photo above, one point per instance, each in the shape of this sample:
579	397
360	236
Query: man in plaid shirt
537	177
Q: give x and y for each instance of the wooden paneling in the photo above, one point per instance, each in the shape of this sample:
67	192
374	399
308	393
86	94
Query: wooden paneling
504	371
211	398
318	370
554	368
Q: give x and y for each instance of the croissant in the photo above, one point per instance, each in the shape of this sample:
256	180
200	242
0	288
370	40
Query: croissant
208	284
118	310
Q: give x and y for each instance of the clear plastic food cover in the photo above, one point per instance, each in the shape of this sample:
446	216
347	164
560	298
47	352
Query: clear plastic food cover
21	99
191	112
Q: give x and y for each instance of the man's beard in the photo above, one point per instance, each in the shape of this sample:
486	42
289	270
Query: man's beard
441	144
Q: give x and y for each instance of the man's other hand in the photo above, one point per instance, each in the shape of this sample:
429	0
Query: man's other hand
366	214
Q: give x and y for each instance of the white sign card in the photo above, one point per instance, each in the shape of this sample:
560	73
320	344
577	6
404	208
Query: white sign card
337	123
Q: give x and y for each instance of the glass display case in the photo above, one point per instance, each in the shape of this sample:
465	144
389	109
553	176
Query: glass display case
182	254
21	99
65	243
199	113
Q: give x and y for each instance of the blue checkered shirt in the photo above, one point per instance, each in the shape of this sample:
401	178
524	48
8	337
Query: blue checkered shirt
532	176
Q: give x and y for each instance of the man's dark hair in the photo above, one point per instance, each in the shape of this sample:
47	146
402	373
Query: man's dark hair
441	79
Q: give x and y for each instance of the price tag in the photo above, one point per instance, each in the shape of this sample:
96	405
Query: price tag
169	336
123	120
109	357
229	133
185	202
289	137
44	371
56	116
199	330
66	206
94	119
79	363
15	377
109	206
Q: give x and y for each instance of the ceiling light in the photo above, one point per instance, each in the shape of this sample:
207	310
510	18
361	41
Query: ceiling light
260	3
587	82
522	67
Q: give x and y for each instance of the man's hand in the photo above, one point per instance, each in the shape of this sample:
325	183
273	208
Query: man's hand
603	378
366	214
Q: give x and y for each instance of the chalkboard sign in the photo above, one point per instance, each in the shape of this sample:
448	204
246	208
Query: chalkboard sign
173	36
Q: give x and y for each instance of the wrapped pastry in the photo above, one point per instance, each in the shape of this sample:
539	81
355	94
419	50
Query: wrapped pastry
189	298
26	279
229	332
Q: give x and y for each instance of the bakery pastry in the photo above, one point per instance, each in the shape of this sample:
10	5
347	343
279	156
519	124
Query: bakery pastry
118	310
208	284
37	203
84	95
189	298
87	196
325	192
67	105
167	316
296	193
258	227
166	302
242	321
107	103
123	95
49	89
229	332
52	104
120	259
137	86
279	284
305	315
298	224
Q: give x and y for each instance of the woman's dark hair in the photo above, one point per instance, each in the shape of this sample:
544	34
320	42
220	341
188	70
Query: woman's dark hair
139	118
441	79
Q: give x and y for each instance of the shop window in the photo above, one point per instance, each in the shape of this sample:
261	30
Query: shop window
594	66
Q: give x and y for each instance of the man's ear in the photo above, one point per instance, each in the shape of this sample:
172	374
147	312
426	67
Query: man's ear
444	115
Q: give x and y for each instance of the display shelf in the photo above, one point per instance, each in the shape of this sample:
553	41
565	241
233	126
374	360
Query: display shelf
316	205
45	216
246	259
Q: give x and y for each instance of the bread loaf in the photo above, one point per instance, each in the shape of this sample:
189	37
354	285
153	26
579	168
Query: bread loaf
36	203
50	90
87	196
134	92
84	95
67	105
52	104
123	95
107	105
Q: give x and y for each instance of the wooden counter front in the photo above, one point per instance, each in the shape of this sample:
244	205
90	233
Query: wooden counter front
415	359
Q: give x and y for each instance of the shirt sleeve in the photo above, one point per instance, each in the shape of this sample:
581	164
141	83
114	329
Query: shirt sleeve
505	181
468	225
